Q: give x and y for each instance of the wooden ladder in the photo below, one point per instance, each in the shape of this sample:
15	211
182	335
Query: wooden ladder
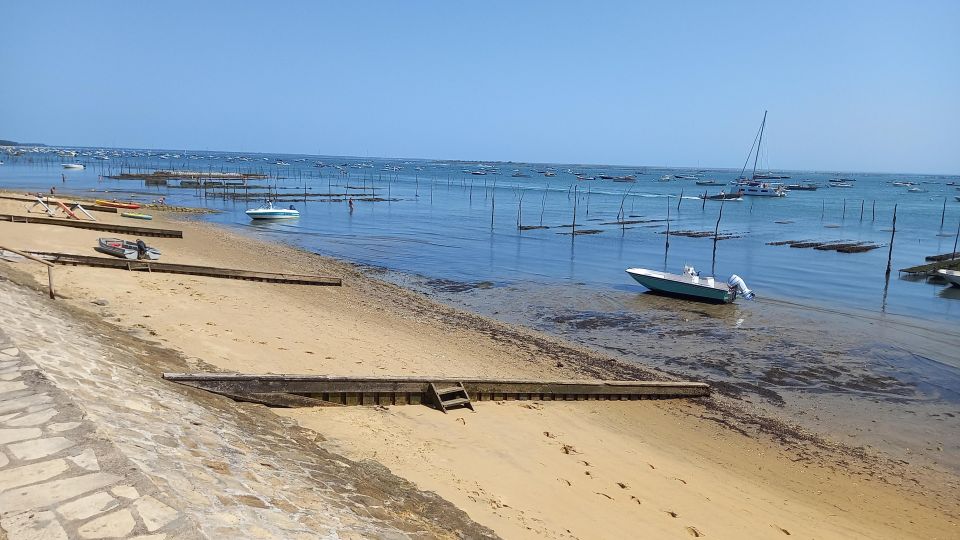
447	397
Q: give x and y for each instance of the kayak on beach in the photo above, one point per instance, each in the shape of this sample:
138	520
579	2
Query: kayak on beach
117	204
136	215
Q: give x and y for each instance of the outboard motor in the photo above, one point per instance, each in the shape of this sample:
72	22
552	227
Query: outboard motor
736	282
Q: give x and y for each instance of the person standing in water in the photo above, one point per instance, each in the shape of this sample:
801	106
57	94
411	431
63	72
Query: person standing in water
350	201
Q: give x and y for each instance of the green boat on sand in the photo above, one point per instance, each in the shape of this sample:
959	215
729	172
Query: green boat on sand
691	285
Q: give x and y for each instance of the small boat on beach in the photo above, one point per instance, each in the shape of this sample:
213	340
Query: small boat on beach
72	165
691	285
117	204
136	215
126	249
267	211
952	276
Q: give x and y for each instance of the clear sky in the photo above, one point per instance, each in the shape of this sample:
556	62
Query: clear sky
871	85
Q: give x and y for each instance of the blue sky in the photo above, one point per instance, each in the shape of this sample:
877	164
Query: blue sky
849	85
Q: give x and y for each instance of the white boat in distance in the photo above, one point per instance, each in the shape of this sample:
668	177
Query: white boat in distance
267	211
72	165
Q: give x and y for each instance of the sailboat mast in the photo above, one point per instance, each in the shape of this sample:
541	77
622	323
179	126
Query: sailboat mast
757	156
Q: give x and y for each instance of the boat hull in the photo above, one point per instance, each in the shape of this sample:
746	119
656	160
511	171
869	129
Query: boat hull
952	276
272	214
682	286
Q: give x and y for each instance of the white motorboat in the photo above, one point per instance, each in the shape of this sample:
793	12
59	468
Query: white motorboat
691	285
952	276
72	165
268	211
763	189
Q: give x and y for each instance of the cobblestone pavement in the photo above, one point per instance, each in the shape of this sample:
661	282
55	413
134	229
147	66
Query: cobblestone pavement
94	444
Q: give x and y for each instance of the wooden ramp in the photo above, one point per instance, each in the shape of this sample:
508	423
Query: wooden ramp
48	200
189	269
95	225
289	390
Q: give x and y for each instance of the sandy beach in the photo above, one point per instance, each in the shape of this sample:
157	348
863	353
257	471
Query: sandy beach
658	469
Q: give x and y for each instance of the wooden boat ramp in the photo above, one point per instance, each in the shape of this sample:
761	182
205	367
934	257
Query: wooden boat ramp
440	392
168	268
95	225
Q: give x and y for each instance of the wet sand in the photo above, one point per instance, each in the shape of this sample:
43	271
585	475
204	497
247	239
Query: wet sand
713	467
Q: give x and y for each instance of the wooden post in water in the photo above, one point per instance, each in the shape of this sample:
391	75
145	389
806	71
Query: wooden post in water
892	233
955	238
716	234
493	204
666	246
843	216
704	205
862	201
679	200
873	211
520	213
823	206
588	200
543	203
943	213
573	227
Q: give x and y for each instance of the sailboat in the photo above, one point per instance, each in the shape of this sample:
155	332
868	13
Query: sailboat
756	186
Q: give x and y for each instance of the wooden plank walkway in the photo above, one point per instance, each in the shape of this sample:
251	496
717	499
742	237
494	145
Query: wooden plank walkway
189	269
286	390
95	225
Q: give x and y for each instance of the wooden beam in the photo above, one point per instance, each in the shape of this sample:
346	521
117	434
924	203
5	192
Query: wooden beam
189	269
94	225
401	390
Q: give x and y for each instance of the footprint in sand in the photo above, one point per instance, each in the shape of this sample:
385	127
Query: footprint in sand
622	485
567	449
672	514
692	531
781	529
549	435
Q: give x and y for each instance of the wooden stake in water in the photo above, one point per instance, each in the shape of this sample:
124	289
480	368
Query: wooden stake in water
493	203
666	246
861	209
520	213
843	216
543	203
873	211
716	235
943	213
573	228
955	238
680	200
892	233
823	206
703	206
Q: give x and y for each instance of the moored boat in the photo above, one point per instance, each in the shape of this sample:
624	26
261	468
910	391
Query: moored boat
952	276
723	196
72	165
709	183
126	249
802	187
267	211
691	285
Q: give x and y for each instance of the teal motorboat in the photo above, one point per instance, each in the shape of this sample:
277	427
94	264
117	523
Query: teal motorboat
691	285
